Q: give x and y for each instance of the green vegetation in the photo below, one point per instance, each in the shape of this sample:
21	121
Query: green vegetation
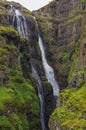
68	56
18	100
64	58
83	0
8	31
74	19
45	29
73	67
24	99
6	95
19	104
71	113
3	10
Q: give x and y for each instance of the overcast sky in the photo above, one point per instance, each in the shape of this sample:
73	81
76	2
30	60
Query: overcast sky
32	4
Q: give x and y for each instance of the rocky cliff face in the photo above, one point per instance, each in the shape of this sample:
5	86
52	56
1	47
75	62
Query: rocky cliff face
17	54
19	105
63	29
61	24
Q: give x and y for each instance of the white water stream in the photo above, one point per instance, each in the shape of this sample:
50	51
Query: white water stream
49	72
41	97
20	20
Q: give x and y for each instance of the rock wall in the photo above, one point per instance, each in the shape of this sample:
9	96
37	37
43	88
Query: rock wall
19	104
62	26
63	29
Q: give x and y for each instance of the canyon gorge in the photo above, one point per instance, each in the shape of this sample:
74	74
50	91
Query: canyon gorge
43	66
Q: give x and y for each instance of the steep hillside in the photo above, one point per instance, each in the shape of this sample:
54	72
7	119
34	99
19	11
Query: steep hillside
19	105
63	28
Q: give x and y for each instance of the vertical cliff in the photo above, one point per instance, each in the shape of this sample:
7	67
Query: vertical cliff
60	22
63	29
19	104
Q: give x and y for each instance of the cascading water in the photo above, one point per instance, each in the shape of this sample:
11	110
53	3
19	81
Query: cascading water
41	97
49	72
20	21
21	26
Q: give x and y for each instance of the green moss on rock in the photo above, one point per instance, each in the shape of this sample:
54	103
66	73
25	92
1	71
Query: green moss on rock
19	104
71	113
8	31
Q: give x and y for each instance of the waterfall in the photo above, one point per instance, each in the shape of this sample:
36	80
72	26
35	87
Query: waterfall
49	72
20	21
21	26
41	97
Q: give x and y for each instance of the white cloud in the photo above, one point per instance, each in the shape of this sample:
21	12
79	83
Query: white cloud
32	4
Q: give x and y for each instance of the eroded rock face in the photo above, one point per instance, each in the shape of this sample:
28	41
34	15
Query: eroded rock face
62	26
63	30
